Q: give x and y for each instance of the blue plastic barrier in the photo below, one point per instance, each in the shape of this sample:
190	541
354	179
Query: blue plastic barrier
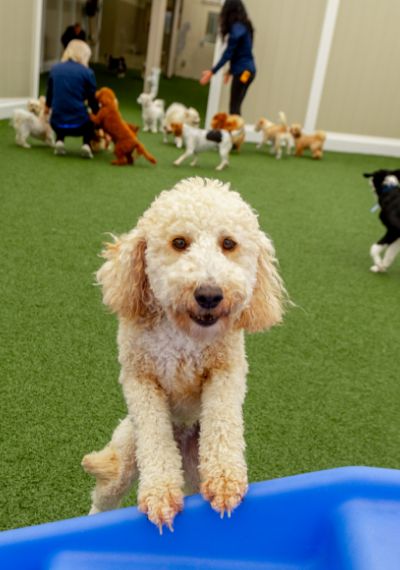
340	519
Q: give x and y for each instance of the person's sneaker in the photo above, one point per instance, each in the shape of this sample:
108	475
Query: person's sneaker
86	151
59	148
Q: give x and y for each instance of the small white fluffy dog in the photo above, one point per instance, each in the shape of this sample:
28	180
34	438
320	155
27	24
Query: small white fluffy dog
195	273
152	112
178	113
198	140
32	122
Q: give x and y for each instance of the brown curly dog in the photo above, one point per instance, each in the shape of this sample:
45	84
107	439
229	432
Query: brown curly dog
124	138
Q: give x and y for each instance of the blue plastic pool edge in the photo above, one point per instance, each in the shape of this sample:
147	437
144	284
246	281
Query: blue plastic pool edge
346	518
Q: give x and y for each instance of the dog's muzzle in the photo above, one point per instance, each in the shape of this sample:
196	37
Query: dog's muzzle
208	298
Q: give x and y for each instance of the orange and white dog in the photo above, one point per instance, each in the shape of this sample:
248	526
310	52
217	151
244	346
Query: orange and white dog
271	130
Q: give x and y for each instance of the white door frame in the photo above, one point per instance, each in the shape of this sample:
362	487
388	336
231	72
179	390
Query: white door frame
321	64
174	38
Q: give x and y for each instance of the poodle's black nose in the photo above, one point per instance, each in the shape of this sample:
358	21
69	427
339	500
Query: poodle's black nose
208	296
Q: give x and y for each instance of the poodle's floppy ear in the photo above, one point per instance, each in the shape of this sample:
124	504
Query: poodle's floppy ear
266	306
176	129
123	278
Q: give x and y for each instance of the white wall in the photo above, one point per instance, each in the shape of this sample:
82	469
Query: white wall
124	31
194	54
20	28
361	90
57	16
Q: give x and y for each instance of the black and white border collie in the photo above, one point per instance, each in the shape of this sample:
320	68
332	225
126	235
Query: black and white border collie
386	184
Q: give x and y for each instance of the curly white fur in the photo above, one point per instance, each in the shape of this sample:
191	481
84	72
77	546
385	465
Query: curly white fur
183	363
32	122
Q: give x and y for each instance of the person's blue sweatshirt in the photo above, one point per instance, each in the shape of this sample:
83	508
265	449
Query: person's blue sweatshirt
238	51
70	84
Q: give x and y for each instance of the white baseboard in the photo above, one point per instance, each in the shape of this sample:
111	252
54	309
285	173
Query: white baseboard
7	106
342	142
362	144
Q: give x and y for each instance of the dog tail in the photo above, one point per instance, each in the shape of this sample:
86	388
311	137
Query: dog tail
282	118
102	464
321	135
141	149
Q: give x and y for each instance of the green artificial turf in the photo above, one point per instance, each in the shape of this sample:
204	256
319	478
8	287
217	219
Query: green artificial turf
324	387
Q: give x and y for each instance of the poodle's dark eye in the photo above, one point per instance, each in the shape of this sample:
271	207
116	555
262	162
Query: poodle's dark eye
180	243
228	244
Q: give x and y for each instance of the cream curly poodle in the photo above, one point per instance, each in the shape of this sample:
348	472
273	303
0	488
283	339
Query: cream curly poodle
195	273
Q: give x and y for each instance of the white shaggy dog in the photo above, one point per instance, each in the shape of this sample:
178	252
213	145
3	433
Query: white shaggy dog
32	122
195	273
178	113
152	112
198	140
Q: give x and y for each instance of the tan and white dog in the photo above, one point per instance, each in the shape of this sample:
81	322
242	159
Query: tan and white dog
186	282
270	130
32	122
178	113
314	142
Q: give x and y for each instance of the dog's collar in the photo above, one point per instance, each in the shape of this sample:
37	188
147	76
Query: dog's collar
389	187
385	188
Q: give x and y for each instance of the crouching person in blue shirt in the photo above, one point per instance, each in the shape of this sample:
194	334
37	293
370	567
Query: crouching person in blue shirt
71	84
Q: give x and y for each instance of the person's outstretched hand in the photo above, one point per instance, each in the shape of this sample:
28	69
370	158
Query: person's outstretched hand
205	77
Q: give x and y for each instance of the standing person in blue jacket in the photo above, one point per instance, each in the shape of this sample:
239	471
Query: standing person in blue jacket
71	87
235	24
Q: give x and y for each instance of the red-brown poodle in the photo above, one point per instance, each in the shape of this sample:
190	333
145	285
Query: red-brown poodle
232	123
123	136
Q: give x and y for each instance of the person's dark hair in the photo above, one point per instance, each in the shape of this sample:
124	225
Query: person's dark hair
233	11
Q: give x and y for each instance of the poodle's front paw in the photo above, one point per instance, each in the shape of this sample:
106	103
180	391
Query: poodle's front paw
161	504
225	492
377	269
